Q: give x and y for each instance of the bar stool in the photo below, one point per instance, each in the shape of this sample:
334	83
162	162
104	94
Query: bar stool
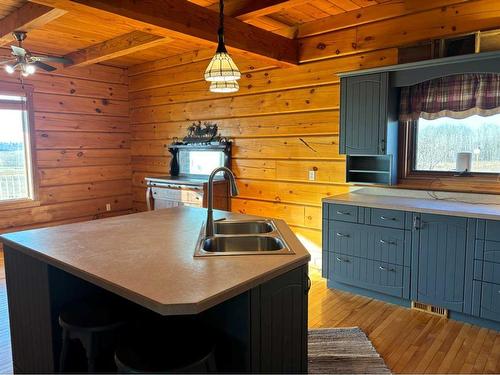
95	324
171	345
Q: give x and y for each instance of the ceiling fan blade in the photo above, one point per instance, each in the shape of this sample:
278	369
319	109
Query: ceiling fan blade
60	60
18	51
7	61
44	66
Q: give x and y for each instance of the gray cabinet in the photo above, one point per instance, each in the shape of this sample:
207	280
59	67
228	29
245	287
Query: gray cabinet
398	256
369	128
363	114
439	256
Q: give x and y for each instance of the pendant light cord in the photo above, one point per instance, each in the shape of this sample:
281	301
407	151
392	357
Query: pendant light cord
221	47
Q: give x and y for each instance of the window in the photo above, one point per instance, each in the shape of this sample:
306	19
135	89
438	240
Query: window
437	143
16	182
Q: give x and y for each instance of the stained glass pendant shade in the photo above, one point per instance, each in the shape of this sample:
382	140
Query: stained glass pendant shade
222	72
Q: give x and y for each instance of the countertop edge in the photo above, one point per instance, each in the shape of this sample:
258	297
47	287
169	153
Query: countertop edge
412	208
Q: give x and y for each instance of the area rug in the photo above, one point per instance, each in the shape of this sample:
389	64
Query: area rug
343	351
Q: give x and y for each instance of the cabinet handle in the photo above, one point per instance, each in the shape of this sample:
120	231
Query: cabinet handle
416	223
387	218
386	269
342	235
382	146
343	213
387	242
343	260
309	284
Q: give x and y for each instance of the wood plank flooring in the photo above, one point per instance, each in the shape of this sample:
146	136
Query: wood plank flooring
409	341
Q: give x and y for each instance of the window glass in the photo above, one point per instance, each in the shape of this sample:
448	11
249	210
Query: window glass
439	141
14	149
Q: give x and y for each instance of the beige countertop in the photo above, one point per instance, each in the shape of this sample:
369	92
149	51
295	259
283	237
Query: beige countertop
490	209
148	258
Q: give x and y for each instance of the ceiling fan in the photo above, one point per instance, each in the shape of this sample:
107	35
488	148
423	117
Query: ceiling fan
22	60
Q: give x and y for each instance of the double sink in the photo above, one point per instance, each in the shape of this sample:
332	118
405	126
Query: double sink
242	237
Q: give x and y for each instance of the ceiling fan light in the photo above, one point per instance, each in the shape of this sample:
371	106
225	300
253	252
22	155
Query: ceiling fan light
222	68
30	69
10	69
225	87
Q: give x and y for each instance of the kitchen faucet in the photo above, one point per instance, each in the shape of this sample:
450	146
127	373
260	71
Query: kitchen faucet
210	193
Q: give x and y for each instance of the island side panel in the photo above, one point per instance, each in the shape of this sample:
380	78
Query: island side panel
279	323
28	294
36	294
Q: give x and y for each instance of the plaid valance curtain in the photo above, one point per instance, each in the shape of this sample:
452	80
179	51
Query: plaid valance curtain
456	96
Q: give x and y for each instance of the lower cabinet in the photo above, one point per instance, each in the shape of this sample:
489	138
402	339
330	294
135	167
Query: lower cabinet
445	261
439	256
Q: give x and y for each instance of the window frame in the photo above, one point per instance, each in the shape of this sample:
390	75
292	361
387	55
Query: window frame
409	176
30	147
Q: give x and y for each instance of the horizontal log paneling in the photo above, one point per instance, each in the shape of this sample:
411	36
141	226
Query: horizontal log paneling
62	211
288	192
51	140
321	122
332	171
80	158
80	105
92	190
317	147
79	123
296	100
82	148
76	175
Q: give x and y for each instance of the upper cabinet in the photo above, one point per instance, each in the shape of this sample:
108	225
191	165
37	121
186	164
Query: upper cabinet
363	114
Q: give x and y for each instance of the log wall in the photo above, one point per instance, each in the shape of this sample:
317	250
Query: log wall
82	147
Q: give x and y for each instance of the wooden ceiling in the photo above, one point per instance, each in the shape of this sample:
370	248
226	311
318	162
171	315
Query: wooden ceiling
76	31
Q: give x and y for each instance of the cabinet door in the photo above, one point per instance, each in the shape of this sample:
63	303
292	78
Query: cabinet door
439	250
280	321
363	114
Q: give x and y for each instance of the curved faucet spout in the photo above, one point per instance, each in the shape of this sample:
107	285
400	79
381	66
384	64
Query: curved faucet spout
210	194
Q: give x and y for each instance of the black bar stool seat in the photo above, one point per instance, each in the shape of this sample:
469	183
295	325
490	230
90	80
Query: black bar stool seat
168	345
95	324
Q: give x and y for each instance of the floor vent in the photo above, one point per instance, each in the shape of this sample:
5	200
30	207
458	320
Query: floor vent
439	311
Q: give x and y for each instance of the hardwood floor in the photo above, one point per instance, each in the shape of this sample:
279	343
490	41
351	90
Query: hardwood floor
409	341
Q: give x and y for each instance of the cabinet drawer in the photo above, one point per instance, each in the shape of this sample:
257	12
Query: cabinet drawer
492	232
387	218
491	272
487	250
365	241
170	194
490	301
343	212
368	274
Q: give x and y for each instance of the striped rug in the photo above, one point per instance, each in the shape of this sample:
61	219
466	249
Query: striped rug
343	351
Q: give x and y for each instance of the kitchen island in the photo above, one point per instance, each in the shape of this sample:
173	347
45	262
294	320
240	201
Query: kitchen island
258	303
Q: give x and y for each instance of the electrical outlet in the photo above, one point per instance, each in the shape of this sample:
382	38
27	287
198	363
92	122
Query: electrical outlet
108	206
312	175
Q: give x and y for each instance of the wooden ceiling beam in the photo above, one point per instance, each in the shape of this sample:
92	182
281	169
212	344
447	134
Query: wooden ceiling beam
245	10
29	17
116	47
185	20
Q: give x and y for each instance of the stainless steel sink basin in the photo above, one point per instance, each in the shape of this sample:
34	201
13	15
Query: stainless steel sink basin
243	227
242	244
242	237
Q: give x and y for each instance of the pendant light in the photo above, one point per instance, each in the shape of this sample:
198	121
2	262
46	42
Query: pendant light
222	67
225	87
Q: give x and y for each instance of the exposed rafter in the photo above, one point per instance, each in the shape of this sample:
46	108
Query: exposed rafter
180	18
116	47
29	17
248	9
